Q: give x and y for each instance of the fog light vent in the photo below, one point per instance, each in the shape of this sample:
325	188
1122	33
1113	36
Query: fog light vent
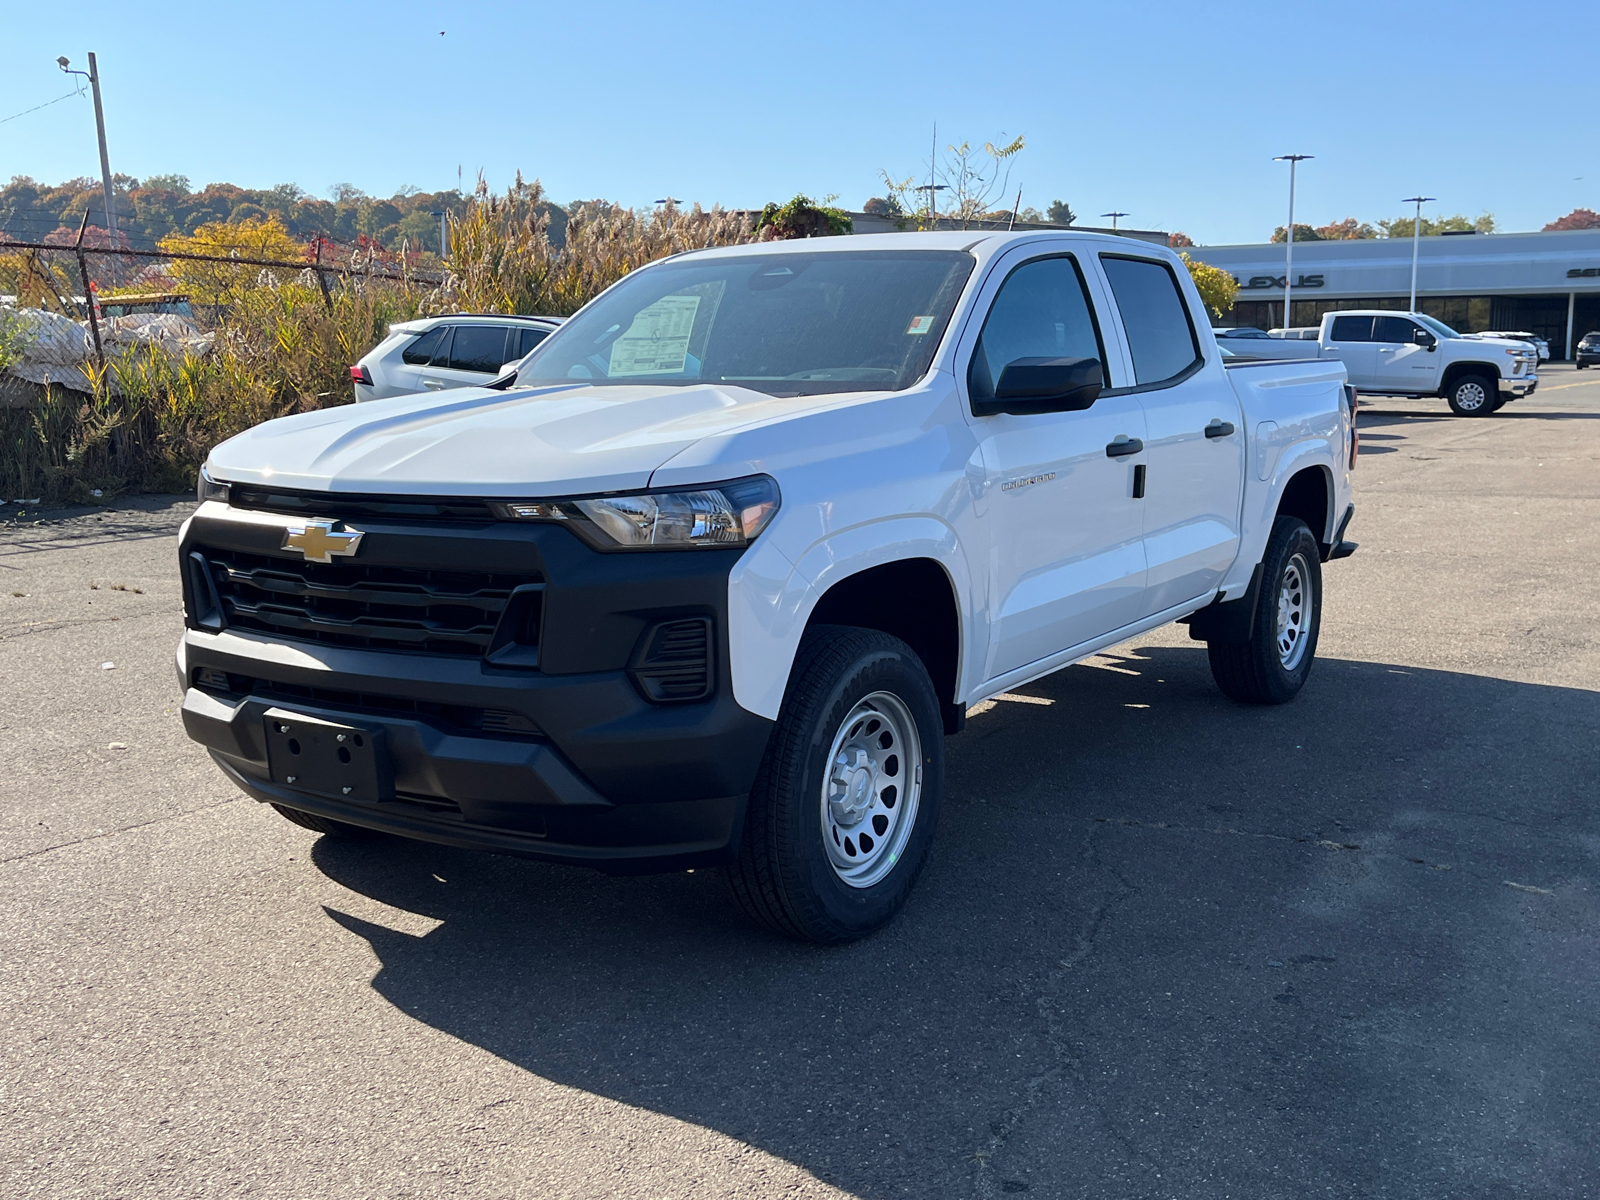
674	662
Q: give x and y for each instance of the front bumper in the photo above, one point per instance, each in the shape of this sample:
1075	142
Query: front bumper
577	765
1517	387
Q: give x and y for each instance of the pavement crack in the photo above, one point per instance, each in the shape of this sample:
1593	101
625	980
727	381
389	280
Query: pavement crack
101	836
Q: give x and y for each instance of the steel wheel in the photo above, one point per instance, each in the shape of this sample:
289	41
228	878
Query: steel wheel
1294	612
1470	396
870	796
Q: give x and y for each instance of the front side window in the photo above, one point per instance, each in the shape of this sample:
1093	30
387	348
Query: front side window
1154	316
788	324
479	348
1438	327
1352	329
1393	329
1041	311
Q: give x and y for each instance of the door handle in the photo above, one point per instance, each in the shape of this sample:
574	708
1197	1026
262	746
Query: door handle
1218	428
433	385
1123	446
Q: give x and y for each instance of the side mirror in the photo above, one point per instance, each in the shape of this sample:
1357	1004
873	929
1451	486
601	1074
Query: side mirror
1045	385
1423	338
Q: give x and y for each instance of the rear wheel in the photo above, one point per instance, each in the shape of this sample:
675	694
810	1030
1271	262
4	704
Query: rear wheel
1274	664
844	806
1472	396
325	825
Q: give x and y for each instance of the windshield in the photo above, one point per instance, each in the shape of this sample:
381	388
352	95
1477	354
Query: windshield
1438	327
790	324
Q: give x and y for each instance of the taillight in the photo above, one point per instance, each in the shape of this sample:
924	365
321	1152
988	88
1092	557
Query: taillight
360	374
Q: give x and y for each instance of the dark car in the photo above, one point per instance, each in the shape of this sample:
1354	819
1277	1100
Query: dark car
1589	350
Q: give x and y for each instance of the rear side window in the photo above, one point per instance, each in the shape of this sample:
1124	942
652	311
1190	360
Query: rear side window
1392	329
479	348
1042	311
1160	334
429	346
1352	329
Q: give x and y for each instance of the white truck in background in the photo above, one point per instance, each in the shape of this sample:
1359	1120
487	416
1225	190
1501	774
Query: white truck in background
1387	353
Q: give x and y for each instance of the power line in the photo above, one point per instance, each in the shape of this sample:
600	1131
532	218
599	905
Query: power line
37	107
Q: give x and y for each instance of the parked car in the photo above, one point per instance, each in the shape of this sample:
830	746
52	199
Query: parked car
711	579
1307	333
1588	352
1241	331
436	353
1532	339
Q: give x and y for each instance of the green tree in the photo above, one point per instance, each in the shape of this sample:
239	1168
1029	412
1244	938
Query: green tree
1401	227
1302	233
1060	212
801	218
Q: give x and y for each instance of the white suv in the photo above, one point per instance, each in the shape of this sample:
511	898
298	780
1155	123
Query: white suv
436	353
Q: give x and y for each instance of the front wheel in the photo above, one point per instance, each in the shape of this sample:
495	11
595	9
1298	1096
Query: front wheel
1472	396
1274	664
844	806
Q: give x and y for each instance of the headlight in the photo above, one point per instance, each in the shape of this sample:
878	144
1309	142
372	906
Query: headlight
207	488
728	514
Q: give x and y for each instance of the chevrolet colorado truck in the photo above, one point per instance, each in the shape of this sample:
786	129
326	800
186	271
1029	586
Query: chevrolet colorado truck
711	577
1389	353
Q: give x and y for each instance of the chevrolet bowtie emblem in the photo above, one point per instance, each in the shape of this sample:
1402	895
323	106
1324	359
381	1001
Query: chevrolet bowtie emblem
319	541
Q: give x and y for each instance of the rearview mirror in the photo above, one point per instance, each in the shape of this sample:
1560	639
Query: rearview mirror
1045	385
1423	338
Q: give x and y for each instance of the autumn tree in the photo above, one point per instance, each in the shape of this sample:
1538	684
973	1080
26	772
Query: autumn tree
1179	240
213	283
1578	218
1217	288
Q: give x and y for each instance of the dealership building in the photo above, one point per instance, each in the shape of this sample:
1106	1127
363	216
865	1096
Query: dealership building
1543	283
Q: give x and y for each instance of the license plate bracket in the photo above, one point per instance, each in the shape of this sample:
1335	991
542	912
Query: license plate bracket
328	758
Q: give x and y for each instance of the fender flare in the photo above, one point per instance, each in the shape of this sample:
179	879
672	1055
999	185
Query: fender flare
767	615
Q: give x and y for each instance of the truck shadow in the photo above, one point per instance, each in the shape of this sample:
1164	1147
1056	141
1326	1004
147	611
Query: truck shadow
1267	927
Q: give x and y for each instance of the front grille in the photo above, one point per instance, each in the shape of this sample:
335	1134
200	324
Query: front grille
372	607
344	507
449	717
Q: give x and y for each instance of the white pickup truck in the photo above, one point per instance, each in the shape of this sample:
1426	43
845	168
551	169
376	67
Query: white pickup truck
1390	353
711	577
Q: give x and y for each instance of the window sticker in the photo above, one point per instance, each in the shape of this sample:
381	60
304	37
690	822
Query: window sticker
657	343
920	325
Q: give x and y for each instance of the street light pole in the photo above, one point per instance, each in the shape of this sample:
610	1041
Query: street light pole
1293	160
1114	216
93	76
1416	234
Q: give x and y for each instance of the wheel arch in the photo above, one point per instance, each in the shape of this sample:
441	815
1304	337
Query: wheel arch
913	599
1309	494
1457	369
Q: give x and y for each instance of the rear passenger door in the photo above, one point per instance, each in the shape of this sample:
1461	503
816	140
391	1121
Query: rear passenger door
472	356
1350	342
1194	440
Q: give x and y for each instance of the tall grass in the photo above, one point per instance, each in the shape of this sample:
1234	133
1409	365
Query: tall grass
281	347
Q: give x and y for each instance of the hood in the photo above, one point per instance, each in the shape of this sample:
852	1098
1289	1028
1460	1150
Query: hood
526	442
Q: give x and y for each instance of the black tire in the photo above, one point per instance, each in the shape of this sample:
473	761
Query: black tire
325	825
784	876
1255	672
1473	396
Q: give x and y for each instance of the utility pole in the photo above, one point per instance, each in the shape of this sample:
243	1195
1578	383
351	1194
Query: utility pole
1293	160
1115	217
93	76
1416	235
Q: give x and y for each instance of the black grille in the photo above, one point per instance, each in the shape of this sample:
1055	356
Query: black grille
450	717
675	662
373	607
349	507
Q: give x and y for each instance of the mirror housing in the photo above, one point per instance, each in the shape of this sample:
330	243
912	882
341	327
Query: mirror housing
1028	386
1423	338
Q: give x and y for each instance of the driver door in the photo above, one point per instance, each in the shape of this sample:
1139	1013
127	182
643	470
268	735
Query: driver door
1402	365
1062	531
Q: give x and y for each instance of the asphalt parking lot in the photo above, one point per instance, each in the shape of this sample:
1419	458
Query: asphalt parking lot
1166	945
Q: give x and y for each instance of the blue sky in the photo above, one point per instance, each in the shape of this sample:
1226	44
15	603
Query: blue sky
1169	112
